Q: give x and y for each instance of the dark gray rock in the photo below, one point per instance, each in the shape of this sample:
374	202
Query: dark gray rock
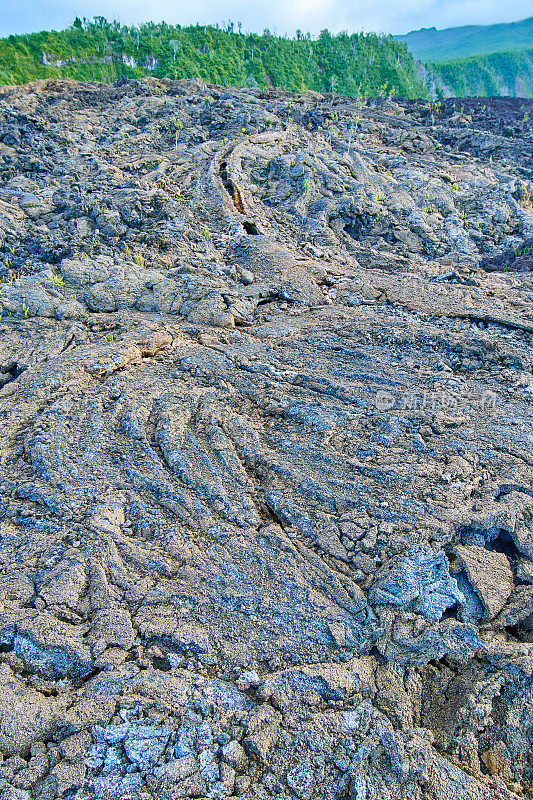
265	445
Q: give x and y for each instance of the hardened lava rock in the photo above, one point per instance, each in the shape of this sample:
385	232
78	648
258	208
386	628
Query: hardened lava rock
266	468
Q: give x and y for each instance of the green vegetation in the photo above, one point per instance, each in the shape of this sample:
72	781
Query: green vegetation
429	44
140	260
509	74
476	60
356	64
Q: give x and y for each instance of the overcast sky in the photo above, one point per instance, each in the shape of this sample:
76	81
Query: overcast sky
281	16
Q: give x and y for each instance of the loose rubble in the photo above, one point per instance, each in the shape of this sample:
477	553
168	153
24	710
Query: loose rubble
266	485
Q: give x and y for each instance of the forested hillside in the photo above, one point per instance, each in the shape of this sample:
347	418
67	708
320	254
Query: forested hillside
365	64
355	65
498	74
430	44
475	60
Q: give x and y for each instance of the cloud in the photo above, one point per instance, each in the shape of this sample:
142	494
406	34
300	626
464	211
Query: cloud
277	15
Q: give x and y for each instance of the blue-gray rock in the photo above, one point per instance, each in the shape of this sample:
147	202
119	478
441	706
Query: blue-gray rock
419	580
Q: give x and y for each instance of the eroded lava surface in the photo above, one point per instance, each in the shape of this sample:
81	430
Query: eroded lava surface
266	445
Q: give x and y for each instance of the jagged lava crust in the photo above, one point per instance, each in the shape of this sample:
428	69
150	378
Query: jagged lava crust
266	469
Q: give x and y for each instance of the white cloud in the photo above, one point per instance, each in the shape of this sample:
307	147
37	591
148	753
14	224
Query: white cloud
277	15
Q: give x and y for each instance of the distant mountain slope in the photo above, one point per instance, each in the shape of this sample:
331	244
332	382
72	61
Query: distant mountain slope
497	74
430	44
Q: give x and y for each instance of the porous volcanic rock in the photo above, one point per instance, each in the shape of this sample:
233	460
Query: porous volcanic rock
266	469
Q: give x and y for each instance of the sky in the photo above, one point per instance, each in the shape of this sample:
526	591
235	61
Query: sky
280	16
